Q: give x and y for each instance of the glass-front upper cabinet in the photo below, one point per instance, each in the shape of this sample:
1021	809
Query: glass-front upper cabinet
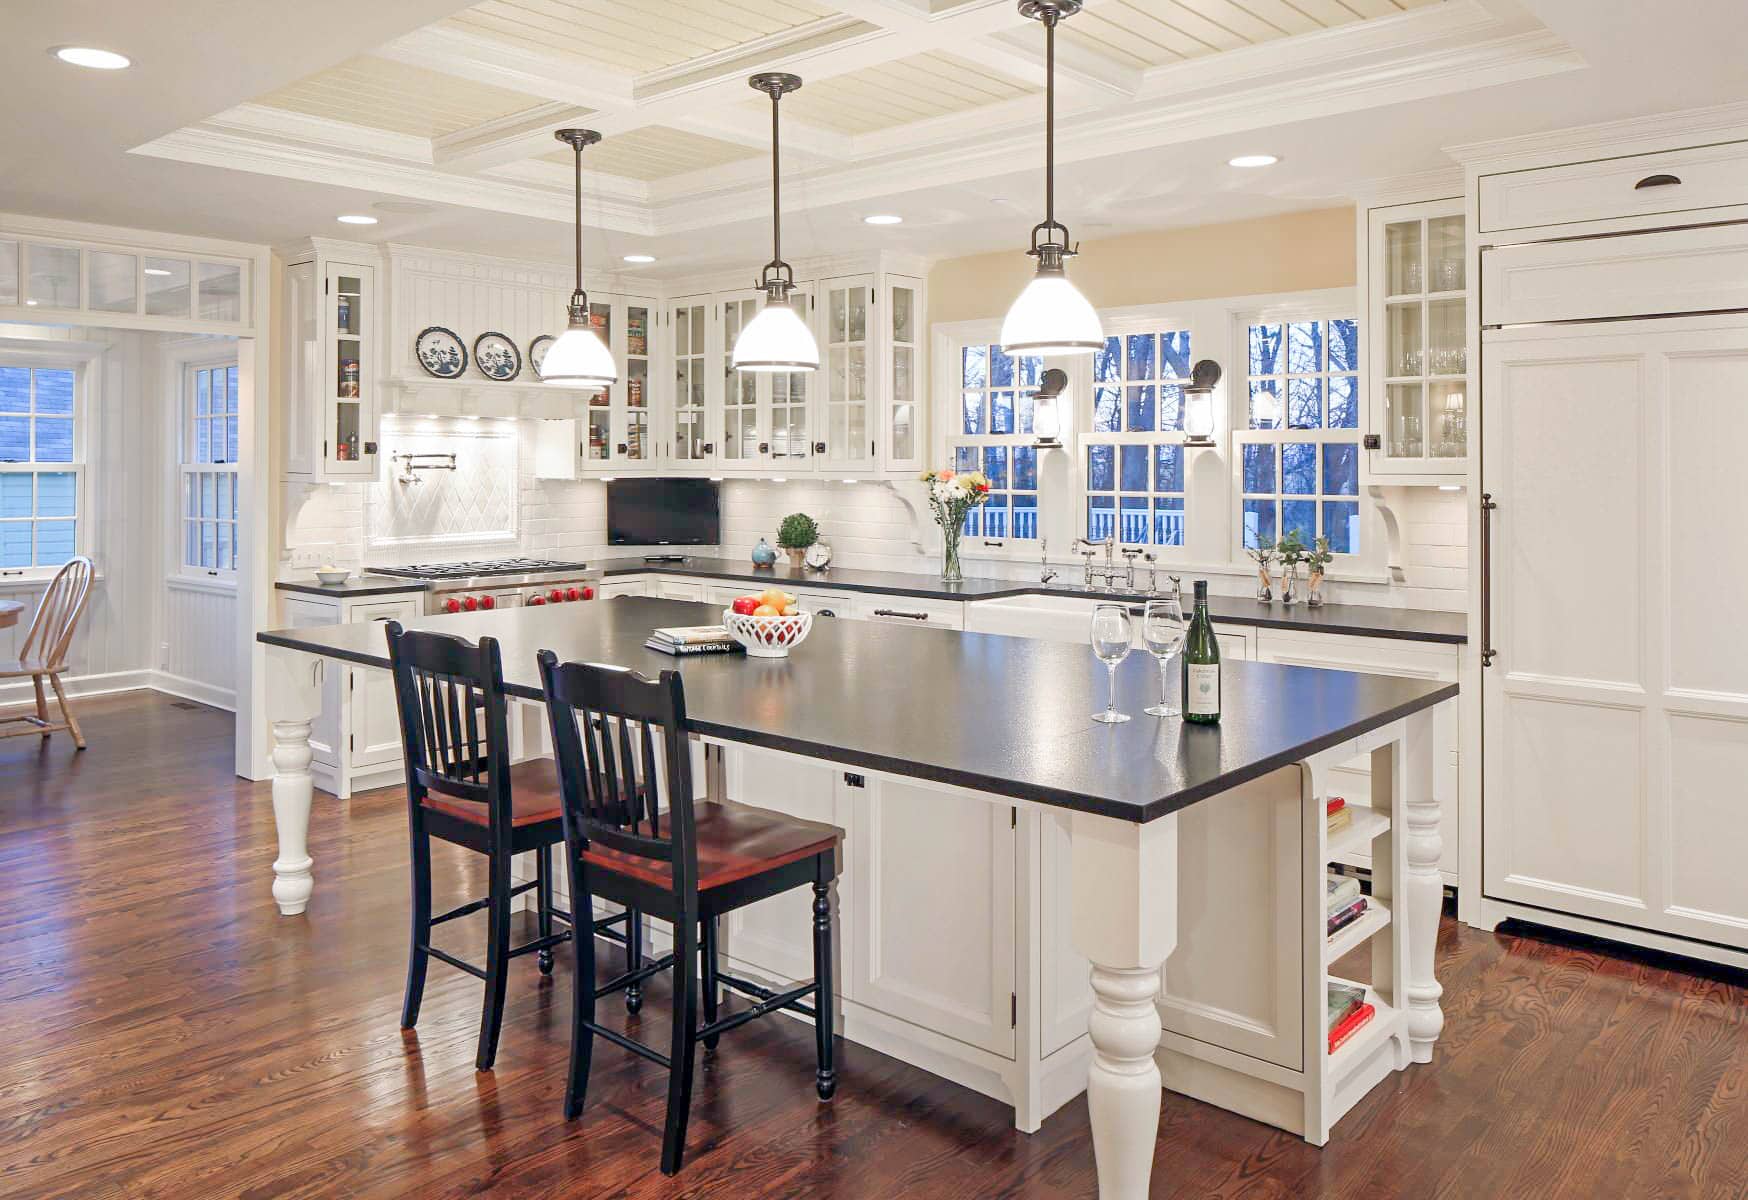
764	414
904	433
849	326
350	384
631	395
332	365
691	442
1420	381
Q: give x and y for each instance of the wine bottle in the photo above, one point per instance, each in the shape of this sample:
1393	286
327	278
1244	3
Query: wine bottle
1201	669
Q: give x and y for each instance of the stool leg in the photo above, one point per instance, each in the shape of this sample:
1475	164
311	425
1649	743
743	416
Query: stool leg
582	1001
684	1041
633	958
711	988
418	957
42	706
497	961
543	905
826	1080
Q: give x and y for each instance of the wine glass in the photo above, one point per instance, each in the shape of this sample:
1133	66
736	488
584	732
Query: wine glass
1112	637
1163	629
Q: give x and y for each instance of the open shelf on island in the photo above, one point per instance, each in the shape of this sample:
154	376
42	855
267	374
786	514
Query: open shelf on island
1375	917
1367	824
1359	1046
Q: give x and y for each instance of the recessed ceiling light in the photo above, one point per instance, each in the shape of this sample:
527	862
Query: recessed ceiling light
30	304
97	60
1253	160
156	271
883	219
355	219
640	258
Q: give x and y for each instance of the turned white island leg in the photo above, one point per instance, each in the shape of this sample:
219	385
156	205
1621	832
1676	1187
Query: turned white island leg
1423	888
294	700
1125	922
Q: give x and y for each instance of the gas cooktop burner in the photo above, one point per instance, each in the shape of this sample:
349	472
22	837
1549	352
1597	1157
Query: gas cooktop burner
475	570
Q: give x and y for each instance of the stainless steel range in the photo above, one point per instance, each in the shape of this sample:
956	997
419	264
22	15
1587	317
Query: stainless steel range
499	583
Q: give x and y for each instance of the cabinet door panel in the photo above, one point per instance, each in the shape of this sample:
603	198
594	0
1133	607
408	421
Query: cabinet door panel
375	726
325	730
933	937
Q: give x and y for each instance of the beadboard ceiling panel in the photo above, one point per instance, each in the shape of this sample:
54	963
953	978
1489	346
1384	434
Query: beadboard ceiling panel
646	36
656	152
897	93
1155	33
379	93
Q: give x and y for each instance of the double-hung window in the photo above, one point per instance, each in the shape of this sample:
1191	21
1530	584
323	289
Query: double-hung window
41	469
994	434
209	469
1298	442
1134	454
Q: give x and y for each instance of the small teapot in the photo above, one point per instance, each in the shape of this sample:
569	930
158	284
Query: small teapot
763	554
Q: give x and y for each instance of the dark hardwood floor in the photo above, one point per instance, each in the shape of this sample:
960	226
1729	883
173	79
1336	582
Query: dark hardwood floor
165	1033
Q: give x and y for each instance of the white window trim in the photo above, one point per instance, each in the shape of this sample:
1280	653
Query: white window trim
84	359
184	414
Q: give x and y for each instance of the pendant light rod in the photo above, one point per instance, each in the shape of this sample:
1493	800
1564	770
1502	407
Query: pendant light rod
1052	250
576	139
578	358
777	279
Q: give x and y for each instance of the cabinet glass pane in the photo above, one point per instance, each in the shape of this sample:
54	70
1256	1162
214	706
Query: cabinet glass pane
53	276
637	435
789	415
636	383
1404	421
1402	259
220	292
1404	340
903	315
1448	415
167	287
111	284
600	435
637	331
348	305
1446	352
347	447
601	318
8	272
1444	254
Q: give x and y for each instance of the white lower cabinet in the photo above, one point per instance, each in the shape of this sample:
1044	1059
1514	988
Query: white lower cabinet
1068	619
908	610
676	589
633	585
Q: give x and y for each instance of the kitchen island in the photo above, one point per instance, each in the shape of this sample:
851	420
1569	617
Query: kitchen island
1003	852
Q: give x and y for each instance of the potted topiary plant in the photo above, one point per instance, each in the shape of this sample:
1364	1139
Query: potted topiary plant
1291	550
797	532
1316	562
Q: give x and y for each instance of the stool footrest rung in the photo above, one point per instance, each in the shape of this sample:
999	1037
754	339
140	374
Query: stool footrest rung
759	992
779	1000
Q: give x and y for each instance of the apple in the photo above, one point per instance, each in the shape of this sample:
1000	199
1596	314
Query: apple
745	605
766	610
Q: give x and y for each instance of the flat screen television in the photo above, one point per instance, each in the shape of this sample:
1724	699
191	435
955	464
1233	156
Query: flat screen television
663	512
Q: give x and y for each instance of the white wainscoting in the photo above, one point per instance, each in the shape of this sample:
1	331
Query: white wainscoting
199	660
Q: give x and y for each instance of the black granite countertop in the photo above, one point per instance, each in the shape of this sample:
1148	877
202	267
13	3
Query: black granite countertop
356	586
1011	716
1360	620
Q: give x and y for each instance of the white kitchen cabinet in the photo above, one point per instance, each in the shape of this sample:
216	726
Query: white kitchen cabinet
1063	618
909	611
1416	275
633	585
676	589
615	430
904	415
332	367
1670	187
931	879
848	323
695	351
766	416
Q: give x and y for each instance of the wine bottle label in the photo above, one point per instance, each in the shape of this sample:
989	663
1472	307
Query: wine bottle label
1204	693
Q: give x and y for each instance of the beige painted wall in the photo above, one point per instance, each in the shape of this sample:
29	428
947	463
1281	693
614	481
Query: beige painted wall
1296	252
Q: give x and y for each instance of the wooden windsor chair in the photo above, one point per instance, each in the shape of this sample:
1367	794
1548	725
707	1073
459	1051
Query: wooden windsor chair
43	653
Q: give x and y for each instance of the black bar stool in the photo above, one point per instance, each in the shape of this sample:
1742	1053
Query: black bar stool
687	862
462	789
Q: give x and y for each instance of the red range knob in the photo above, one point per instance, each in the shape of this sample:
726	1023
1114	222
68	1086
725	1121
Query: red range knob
451	605
488	602
573	594
556	595
588	593
471	603
533	600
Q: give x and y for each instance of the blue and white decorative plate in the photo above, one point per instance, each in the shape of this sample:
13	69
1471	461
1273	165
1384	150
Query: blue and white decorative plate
537	352
440	352
497	357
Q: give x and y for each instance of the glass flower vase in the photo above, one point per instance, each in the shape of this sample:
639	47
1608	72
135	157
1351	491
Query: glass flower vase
950	570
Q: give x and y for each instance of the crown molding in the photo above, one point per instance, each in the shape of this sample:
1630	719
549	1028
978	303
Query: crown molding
122	237
1438	183
1607	139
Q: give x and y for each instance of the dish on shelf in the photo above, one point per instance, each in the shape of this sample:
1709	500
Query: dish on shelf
537	352
440	352
497	357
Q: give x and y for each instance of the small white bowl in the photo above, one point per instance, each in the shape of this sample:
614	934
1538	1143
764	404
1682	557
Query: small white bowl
767	637
333	577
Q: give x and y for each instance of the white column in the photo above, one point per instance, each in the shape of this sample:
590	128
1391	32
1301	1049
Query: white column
1422	891
1125	922
294	700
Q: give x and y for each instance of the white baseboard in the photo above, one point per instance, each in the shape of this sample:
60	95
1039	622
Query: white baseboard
193	689
1492	912
21	692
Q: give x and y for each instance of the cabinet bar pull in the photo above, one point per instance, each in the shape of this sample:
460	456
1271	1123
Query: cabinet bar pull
1487	508
894	612
1651	181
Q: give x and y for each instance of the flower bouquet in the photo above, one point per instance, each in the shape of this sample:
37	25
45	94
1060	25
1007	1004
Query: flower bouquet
951	496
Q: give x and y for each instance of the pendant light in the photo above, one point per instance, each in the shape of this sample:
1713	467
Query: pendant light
579	358
778	339
1051	316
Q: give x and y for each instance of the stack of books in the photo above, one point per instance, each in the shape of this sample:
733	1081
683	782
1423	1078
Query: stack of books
1348	1012
693	639
1337	814
1344	904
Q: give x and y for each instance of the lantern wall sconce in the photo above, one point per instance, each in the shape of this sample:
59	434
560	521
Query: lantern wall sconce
1199	403
1047	408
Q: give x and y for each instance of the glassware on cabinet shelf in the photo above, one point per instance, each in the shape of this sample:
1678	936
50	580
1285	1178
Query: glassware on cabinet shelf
1446	343
1402	258
1447	413
1404	420
1405	338
1445	251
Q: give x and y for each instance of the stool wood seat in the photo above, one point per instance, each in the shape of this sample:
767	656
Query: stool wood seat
635	835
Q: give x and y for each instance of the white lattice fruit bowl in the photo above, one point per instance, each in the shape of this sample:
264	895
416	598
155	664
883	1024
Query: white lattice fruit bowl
767	637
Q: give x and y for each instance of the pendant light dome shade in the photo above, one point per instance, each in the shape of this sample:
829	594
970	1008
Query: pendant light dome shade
1051	316
778	339
579	358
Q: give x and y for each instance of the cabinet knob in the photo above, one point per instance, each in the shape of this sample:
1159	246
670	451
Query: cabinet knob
764	447
710	447
622	449
819	447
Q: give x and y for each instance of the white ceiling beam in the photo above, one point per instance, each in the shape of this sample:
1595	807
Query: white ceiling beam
547	75
754	129
526	134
